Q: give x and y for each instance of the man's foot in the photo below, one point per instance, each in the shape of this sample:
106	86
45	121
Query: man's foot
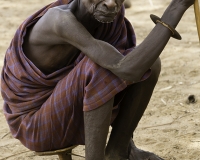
137	154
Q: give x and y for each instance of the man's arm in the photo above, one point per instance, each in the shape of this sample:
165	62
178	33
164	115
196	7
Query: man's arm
66	29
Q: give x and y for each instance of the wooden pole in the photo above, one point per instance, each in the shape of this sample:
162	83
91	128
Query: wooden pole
197	16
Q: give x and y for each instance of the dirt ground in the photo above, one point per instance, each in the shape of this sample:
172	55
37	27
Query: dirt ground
170	127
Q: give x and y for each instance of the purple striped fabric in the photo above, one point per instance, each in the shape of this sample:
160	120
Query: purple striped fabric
45	112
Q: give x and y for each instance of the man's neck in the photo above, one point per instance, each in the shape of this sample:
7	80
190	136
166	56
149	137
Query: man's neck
84	16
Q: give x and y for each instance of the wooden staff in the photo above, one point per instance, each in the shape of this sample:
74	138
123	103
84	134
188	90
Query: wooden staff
197	15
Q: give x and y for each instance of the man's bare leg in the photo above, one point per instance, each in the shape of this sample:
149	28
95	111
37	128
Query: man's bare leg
132	108
97	124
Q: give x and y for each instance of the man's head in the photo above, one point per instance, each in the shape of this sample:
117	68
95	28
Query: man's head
103	11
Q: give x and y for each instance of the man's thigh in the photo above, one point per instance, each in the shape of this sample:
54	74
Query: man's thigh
59	122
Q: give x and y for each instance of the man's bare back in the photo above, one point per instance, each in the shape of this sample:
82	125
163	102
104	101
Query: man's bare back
50	58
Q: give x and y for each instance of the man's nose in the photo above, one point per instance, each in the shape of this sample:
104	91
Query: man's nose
110	4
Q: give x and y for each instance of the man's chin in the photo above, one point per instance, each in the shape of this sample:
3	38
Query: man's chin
104	20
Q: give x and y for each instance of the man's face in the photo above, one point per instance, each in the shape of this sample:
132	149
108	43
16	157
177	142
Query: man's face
104	11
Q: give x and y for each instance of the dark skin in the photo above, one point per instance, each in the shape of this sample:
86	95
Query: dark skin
51	45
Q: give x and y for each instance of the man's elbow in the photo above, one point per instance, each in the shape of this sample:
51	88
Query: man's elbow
133	75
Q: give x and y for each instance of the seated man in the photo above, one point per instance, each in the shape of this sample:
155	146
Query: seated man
72	70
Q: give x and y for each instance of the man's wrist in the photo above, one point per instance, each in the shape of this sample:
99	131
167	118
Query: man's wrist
173	13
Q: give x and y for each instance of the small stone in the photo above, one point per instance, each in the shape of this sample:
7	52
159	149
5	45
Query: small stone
191	99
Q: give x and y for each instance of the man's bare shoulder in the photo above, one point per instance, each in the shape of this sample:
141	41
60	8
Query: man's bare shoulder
45	30
59	10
